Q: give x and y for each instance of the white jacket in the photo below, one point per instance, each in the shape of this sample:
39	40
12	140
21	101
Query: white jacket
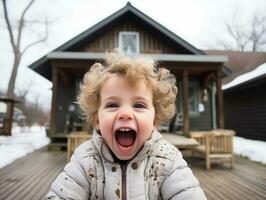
158	171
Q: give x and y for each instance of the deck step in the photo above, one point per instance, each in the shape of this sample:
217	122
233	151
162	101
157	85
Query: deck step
62	146
59	136
58	142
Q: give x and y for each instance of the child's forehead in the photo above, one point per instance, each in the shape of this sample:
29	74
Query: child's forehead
119	82
130	81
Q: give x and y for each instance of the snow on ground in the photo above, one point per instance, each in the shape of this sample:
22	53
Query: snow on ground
252	149
26	140
23	141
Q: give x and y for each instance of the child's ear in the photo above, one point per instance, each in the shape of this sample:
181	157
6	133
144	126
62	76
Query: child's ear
96	122
154	123
155	126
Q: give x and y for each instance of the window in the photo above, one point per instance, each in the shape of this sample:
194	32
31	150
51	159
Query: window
129	42
194	98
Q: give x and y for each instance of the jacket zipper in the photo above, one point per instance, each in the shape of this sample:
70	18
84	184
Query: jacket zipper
124	181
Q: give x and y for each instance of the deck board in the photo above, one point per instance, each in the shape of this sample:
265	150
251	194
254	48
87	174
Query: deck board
31	176
246	181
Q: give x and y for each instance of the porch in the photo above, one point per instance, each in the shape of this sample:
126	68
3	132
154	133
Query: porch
30	177
198	78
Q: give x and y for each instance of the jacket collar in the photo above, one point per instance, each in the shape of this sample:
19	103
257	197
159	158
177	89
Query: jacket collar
142	154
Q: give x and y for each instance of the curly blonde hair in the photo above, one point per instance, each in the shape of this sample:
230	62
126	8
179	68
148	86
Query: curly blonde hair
160	80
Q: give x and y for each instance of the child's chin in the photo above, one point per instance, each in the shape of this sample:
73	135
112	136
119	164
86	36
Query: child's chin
125	153
125	157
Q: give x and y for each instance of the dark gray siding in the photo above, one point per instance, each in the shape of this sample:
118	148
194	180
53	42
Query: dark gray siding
150	41
245	110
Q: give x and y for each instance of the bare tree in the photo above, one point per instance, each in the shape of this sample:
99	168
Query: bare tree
16	37
257	34
246	36
22	94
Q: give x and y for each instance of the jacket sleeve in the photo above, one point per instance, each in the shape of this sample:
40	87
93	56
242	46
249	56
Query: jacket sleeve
180	183
71	183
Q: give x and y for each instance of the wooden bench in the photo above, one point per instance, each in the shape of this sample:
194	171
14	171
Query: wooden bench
215	145
181	142
74	140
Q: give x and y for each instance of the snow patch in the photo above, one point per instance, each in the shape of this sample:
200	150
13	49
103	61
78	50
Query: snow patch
22	142
252	149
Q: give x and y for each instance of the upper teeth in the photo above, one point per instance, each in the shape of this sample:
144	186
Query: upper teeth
124	129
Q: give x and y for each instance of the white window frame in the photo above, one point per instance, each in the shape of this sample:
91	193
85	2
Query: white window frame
127	33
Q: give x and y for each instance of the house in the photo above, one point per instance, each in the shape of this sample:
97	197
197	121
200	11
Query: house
244	93
245	104
200	101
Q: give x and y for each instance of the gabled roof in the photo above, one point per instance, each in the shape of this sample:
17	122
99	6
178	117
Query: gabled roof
128	11
135	13
240	62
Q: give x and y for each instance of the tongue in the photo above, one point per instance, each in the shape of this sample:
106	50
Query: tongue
125	139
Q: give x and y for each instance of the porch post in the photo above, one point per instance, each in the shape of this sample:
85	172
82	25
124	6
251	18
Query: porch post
185	102
54	97
220	103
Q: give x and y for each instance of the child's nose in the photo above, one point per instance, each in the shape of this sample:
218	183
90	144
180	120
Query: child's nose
125	114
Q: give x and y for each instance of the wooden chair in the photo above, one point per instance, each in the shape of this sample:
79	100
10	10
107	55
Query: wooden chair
74	140
215	145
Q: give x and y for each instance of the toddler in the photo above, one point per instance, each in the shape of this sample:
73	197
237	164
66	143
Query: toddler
127	158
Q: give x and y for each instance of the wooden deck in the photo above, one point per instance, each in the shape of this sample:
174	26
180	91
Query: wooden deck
247	181
30	178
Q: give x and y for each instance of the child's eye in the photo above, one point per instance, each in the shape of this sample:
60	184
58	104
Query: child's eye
111	105
139	105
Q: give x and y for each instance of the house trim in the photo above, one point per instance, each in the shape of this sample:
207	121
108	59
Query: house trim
157	57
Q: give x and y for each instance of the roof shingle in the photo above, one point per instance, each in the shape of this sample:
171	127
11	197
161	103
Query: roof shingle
240	62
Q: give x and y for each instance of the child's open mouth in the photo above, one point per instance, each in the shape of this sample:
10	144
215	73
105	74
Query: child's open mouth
125	137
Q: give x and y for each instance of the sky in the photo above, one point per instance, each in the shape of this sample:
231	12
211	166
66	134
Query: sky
199	22
25	140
